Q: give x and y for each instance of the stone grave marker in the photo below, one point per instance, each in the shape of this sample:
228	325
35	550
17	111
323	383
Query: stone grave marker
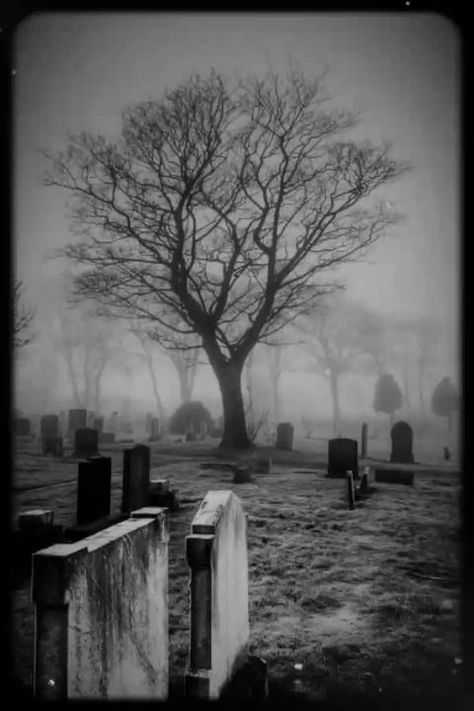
284	438
154	428
101	614
136	478
363	441
51	442
93	489
86	443
402	443
77	419
342	457
216	552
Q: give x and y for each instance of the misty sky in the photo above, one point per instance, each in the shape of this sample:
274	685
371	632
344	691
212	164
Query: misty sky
401	71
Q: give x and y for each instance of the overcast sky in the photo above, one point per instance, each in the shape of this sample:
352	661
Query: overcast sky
76	73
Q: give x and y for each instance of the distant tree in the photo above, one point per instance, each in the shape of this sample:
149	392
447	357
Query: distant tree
189	416
23	319
388	396
225	206
445	400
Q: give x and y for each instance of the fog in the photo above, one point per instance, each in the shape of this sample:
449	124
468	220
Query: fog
401	72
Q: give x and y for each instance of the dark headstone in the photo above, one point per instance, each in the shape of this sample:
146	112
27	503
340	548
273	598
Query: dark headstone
350	489
107	437
93	489
98	425
161	495
242	474
136	478
363	441
22	427
86	443
77	419
402	443
342	457
49	427
284	436
394	476
190	436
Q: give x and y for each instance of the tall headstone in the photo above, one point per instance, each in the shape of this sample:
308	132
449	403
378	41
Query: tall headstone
93	489
101	614
216	552
402	443
363	441
77	419
86	443
136	478
22	427
342	457
284	436
51	441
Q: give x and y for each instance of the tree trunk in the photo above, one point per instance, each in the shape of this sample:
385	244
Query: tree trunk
235	430
336	413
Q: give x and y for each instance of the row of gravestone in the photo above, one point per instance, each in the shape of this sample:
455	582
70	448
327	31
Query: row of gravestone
401	435
81	419
101	609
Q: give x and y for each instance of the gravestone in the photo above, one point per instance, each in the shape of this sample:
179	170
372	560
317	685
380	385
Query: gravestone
154	428
216	552
98	424
363	441
86	443
51	442
284	438
107	437
101	614
394	476
136	478
342	457
162	495
242	473
350	489
22	427
402	443
77	419
93	489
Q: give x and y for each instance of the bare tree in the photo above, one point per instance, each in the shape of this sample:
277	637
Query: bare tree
23	319
223	207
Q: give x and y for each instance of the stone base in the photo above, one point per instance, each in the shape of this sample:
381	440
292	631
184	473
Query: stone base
394	476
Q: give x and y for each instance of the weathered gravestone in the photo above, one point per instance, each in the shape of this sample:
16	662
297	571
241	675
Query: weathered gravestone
51	442
93	489
284	439
101	614
363	441
342	457
86	443
98	424
394	476
77	419
402	443
216	552
22	427
136	478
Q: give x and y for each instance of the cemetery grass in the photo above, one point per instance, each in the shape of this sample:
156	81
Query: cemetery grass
348	608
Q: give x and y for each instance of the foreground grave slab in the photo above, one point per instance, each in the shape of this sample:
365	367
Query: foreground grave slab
217	554
101	613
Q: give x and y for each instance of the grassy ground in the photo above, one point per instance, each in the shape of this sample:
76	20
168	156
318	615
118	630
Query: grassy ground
348	608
